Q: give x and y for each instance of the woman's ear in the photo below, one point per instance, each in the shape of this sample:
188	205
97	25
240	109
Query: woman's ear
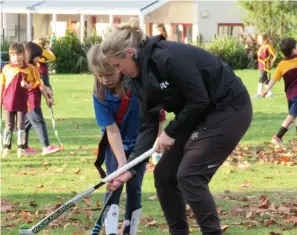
131	52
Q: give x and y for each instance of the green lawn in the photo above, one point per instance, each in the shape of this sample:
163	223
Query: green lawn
34	186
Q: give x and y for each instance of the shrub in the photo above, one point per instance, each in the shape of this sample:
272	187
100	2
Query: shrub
229	50
71	53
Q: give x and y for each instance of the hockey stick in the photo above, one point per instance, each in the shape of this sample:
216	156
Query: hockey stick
61	146
98	226
1	135
25	230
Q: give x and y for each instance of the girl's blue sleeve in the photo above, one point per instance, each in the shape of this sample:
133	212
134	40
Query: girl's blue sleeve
104	116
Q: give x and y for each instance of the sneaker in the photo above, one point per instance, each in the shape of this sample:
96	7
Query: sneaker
30	151
257	97
270	95
49	150
277	141
6	152
21	152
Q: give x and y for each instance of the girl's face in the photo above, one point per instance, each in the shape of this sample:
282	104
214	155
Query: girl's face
36	59
294	52
17	58
110	80
127	64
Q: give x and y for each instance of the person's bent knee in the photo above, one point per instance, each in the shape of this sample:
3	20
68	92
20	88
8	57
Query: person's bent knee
162	178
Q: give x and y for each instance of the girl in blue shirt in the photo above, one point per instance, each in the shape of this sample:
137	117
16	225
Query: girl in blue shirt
117	113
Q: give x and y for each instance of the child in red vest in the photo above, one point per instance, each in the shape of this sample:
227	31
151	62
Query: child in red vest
266	58
16	78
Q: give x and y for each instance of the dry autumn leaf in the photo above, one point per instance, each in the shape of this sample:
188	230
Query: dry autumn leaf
153	223
246	184
152	198
77	171
224	227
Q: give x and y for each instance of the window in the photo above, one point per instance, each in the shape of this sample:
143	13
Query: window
230	30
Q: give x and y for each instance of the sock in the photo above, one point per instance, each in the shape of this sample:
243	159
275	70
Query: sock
21	139
7	139
282	131
260	87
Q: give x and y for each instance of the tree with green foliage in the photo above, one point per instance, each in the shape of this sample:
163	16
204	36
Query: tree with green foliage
276	18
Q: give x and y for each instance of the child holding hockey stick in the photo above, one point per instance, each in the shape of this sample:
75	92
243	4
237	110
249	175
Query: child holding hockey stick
34	117
117	112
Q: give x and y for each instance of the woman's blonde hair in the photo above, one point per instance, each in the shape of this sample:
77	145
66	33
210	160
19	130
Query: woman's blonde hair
119	38
99	66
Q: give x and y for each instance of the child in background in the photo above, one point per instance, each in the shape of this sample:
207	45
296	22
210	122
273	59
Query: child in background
17	77
47	55
162	30
287	69
34	116
265	53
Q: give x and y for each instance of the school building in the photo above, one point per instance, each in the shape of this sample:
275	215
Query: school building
185	20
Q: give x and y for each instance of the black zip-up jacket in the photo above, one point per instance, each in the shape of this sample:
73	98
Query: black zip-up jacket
183	79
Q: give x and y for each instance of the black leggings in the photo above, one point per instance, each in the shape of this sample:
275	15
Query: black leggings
264	77
34	118
183	172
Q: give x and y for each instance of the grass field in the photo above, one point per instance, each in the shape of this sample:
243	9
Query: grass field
33	186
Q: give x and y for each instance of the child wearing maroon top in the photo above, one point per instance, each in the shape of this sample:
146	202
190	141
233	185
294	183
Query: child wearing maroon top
16	78
47	56
34	116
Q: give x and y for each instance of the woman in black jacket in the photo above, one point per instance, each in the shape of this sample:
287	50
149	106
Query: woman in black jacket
212	113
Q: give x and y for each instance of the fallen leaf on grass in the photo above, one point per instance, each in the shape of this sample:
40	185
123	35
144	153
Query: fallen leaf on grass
236	210
45	232
60	170
284	210
249	215
33	204
294	220
246	184
153	198
98	206
265	203
153	223
77	171
88	201
224	227
269	222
